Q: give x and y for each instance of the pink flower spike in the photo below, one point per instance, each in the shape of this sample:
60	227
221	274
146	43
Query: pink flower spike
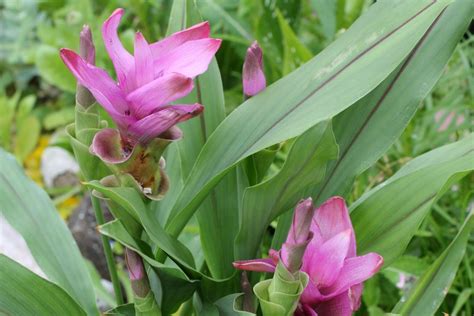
253	76
196	32
148	81
336	273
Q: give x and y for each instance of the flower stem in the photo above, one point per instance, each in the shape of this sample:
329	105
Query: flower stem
112	267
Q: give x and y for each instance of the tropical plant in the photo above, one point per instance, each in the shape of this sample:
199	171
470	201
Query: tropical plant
233	175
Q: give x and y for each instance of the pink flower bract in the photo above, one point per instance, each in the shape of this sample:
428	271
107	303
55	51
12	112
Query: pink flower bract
148	81
336	273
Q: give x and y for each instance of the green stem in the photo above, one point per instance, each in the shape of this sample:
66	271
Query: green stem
99	216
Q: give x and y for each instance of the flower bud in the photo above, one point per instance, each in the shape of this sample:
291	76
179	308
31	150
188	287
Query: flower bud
299	236
252	75
87	52
137	273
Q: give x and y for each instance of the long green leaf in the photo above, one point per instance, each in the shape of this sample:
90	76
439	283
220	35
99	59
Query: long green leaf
132	202
390	107
25	293
386	218
217	232
30	211
176	287
304	167
428	293
343	73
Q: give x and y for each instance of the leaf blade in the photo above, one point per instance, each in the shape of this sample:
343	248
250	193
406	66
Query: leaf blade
30	211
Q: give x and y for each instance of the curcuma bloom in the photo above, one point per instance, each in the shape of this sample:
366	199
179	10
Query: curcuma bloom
335	271
148	81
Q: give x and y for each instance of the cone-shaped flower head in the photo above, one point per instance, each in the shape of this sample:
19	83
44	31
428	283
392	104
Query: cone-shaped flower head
148	81
252	75
335	271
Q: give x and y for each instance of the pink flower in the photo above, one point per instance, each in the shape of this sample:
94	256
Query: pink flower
336	273
252	74
148	81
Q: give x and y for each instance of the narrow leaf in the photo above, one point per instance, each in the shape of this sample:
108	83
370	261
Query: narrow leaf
304	167
30	211
310	94
393	103
25	293
429	291
386	218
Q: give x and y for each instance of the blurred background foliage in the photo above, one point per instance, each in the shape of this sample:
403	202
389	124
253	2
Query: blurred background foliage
37	102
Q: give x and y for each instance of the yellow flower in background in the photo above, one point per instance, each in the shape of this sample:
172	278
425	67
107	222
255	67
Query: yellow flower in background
32	163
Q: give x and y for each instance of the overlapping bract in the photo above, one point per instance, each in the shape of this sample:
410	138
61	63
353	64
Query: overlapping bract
335	271
148	81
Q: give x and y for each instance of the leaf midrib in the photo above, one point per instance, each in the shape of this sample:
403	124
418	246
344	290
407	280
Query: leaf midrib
378	104
332	77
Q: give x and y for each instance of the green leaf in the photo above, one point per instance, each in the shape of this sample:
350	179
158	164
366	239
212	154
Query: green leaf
294	52
59	118
132	202
429	291
52	69
30	211
176	287
217	232
304	167
227	306
27	135
25	293
386	218
122	310
393	103
309	95
326	12
25	106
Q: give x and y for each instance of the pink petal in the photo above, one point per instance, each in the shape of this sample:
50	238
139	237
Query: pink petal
311	294
259	265
143	61
123	61
337	306
332	217
99	84
253	78
190	59
355	270
195	32
328	260
159	122
168	88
